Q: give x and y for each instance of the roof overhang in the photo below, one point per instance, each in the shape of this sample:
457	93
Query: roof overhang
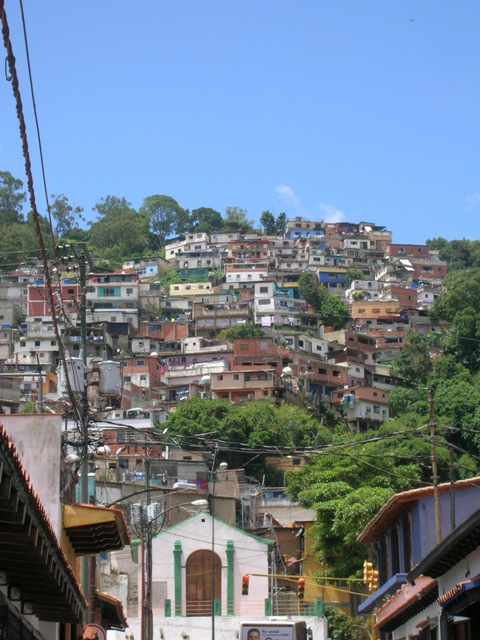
463	596
30	552
406	603
113	616
93	529
386	589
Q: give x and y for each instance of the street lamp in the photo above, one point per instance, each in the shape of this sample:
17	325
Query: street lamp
146	536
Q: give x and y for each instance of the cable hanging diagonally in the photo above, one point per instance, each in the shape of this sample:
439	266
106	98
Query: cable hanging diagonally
31	192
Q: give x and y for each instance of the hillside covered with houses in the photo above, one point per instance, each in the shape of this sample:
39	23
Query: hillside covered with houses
287	379
167	339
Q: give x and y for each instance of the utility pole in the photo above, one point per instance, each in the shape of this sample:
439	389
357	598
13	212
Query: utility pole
436	498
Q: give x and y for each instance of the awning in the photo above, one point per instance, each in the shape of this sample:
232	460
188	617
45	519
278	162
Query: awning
93	529
30	552
461	596
113	616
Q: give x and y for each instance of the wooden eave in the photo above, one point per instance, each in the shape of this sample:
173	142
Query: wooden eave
93	529
29	549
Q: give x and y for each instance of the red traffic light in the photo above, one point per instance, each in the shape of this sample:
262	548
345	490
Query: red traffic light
245	583
301	588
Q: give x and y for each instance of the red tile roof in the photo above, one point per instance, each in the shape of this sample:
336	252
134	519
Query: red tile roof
398	503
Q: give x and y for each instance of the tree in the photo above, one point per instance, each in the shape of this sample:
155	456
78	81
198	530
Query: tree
281	223
66	216
413	364
245	330
11	199
273	226
253	423
165	217
119	231
331	309
236	220
354	274
351	479
268	222
205	220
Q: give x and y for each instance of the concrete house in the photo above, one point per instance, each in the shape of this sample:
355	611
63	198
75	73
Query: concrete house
182	569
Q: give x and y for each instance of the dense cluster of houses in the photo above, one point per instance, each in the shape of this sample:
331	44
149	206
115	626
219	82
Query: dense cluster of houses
166	340
167	345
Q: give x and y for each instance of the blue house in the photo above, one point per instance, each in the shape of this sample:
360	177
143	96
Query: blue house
402	535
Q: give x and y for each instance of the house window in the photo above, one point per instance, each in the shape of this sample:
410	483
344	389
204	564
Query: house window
263	289
129	291
236	376
37	343
140	363
219	377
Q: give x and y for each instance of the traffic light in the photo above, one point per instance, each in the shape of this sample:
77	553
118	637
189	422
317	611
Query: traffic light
373	584
367	572
245	581
301	588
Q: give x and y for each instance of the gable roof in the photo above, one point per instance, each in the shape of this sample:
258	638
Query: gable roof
398	503
179	525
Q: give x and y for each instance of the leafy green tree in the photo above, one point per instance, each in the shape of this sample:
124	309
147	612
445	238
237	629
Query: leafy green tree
273	226
464	339
457	404
462	293
354	274
331	309
256	424
281	223
348	482
460	254
414	364
245	330
65	215
205	220
236	220
18	242
12	199
166	217
118	228
341	626
268	222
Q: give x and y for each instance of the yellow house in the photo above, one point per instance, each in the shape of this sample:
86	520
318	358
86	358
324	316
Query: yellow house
371	309
191	289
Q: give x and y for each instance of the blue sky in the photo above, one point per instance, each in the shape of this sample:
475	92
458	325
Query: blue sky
328	109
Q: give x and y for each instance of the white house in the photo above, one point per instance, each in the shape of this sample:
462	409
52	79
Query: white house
182	570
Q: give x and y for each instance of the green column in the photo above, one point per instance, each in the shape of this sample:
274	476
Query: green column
230	585
177	577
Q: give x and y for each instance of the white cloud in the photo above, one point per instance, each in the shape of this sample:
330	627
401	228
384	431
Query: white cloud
288	194
473	201
332	214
